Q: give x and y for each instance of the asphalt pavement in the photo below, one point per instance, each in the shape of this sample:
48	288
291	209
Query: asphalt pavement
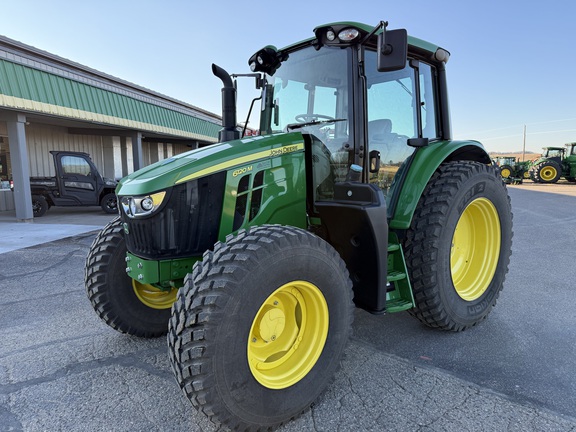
62	369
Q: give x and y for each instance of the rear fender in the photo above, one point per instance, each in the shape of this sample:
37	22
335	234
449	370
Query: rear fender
421	166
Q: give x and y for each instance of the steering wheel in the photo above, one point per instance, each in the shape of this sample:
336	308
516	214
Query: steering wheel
305	118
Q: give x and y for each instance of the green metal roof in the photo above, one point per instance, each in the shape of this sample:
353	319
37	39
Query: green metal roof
35	81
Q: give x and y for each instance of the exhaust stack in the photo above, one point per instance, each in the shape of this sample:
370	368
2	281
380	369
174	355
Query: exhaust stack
229	131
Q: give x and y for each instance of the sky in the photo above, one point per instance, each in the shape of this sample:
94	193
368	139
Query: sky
512	64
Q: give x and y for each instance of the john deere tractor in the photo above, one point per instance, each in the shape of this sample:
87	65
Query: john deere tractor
555	162
252	253
513	170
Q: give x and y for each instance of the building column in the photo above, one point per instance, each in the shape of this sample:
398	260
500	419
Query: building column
118	161
109	168
15	123
137	150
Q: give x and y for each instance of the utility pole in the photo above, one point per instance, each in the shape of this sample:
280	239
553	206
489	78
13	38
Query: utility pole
524	145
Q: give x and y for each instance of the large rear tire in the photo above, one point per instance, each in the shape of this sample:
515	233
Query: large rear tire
458	246
124	304
259	327
547	172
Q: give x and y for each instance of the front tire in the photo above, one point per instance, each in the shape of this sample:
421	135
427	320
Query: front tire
259	327
124	304
458	246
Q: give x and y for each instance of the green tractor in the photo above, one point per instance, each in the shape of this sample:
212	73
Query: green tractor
555	162
512	170
252	253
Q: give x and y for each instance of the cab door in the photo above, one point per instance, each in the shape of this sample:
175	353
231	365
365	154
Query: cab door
401	105
77	180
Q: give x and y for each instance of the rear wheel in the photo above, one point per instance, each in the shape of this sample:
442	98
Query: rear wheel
458	246
121	302
506	171
39	205
259	327
547	172
109	203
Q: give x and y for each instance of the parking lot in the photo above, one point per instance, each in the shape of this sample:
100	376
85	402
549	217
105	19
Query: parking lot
62	369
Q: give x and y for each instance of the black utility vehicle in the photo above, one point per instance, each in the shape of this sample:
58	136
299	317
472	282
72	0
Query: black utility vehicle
77	183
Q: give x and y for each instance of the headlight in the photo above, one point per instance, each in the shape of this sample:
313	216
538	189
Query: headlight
348	35
142	206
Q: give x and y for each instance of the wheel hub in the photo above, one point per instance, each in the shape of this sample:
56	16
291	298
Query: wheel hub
548	173
272	325
154	297
475	249
288	335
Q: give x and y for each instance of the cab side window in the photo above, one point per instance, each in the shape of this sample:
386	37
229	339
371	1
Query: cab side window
75	165
401	105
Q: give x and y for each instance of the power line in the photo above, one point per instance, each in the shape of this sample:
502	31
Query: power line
520	134
521	125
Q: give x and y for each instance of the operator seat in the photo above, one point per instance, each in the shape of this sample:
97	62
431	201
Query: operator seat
380	130
392	146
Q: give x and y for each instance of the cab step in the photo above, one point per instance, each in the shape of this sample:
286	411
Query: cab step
399	294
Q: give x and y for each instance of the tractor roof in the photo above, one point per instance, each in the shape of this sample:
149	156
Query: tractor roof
415	43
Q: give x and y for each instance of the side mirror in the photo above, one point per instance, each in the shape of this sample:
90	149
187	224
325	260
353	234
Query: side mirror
392	50
374	160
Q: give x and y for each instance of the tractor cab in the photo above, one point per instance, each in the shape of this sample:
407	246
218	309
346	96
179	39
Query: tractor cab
571	149
361	105
554	153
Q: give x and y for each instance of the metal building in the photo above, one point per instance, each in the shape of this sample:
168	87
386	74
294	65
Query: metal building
51	103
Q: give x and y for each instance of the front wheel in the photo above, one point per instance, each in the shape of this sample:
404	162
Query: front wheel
121	302
259	327
458	246
39	205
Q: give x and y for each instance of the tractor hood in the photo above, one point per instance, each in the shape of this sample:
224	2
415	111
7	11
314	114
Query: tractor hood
208	160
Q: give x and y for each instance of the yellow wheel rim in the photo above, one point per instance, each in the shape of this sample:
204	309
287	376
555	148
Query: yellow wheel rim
548	173
475	249
526	174
287	335
505	173
154	297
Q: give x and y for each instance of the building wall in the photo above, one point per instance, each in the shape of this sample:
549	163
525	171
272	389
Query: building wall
106	152
42	139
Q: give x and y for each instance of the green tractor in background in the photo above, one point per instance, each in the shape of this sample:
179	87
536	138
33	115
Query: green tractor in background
512	170
555	162
252	253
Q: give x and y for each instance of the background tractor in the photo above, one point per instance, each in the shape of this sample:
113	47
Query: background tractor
512	169
555	162
251	253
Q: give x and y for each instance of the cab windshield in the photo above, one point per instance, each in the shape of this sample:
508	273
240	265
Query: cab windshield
310	94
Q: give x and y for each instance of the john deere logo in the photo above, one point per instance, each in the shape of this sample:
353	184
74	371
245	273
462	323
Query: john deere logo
126	230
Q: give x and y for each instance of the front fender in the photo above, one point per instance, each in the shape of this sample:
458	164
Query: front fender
422	165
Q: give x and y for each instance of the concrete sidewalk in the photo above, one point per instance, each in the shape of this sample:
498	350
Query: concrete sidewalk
56	224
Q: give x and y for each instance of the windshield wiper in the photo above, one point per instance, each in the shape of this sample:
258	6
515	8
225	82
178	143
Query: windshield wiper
293	126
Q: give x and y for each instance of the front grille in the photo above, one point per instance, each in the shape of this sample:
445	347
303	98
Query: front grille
184	226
